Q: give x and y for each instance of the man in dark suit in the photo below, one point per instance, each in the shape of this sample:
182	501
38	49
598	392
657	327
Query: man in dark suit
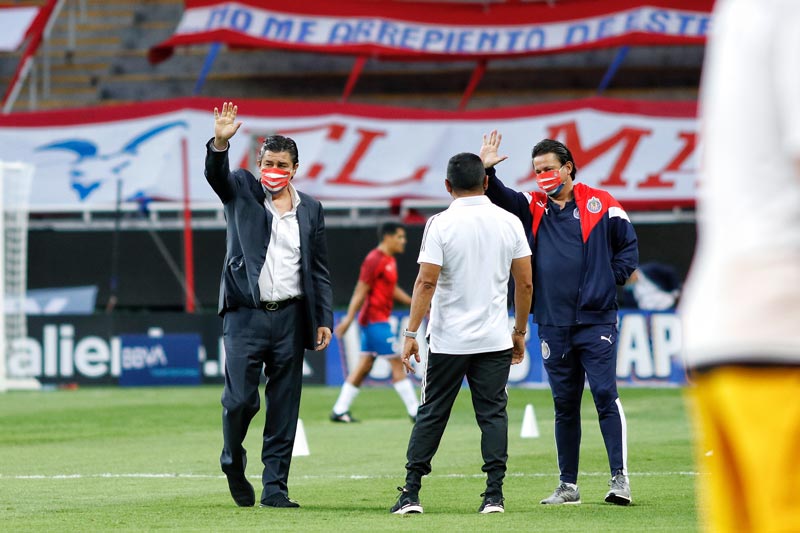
275	300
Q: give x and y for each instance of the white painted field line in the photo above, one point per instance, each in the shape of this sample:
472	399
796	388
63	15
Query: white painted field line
145	475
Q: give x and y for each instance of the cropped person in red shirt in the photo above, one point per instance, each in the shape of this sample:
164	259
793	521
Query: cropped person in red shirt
375	294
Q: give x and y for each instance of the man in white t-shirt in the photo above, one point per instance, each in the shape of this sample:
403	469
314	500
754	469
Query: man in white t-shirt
741	306
466	255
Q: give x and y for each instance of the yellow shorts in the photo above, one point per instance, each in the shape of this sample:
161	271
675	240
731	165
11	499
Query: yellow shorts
748	448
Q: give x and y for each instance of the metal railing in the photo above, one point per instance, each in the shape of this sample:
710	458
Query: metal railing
27	68
210	215
205	215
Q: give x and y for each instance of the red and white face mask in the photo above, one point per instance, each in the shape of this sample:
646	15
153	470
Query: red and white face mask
275	179
550	182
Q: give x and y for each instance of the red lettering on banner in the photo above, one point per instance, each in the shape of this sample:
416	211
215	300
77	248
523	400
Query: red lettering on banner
627	137
245	162
689	144
334	132
314	171
346	176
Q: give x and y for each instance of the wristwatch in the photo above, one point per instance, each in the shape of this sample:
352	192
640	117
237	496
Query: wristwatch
409	334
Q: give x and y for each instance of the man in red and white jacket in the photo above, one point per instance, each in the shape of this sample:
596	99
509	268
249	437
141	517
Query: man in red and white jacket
583	245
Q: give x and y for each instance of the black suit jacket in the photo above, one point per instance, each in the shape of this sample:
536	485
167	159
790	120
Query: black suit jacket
249	226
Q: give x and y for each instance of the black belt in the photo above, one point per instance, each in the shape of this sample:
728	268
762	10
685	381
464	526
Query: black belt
277	306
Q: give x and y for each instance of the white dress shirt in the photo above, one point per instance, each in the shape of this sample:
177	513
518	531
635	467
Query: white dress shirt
280	276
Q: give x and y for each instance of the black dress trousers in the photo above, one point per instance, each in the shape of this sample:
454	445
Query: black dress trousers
258	340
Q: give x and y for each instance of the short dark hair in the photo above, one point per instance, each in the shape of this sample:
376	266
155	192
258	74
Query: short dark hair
465	172
279	143
389	228
549	146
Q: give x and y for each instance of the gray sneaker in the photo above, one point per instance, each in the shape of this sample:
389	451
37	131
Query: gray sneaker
564	494
620	493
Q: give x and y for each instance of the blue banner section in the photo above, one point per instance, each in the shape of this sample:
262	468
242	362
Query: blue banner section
343	356
98	349
648	352
55	301
166	360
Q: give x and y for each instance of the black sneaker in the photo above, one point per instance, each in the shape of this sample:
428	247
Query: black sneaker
344	418
491	504
280	501
241	489
407	503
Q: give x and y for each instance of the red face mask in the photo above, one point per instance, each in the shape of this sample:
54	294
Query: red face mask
275	179
550	182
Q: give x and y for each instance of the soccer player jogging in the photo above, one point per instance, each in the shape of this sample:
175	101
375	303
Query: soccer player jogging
583	246
373	299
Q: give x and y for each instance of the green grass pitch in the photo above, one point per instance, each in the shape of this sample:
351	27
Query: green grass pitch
102	459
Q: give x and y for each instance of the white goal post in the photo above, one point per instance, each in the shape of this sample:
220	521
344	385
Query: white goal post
15	187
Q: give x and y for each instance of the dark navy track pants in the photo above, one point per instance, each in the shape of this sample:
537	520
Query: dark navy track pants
573	355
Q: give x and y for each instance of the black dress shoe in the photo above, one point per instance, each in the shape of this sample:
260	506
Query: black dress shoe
241	490
279	500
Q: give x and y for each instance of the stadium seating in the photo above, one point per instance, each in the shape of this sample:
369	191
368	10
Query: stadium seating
109	65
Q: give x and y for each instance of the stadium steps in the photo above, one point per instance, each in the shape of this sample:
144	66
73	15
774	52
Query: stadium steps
88	43
109	31
109	65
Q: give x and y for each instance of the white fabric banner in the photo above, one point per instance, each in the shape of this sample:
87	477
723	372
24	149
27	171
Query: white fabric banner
441	29
643	153
15	22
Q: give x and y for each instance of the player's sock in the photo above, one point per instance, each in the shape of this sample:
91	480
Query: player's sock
346	397
405	388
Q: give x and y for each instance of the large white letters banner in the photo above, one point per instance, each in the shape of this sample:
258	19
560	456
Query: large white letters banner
644	153
444	30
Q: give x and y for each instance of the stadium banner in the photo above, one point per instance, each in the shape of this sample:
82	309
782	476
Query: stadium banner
55	301
159	360
89	350
16	22
438	30
644	153
648	352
